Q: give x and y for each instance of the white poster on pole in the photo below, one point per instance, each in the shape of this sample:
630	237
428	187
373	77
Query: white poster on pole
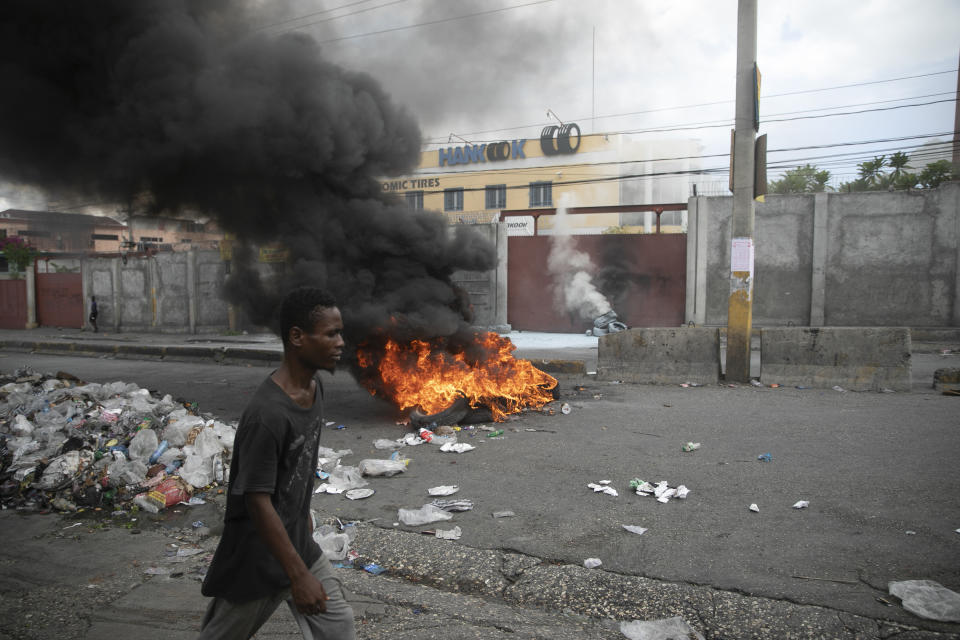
741	255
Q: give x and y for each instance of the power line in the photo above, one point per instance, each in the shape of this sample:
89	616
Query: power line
709	104
310	15
432	22
345	15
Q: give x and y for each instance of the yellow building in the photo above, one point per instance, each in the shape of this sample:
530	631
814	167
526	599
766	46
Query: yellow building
476	181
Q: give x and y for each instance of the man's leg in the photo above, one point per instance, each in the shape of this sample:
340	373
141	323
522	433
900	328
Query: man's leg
337	622
237	621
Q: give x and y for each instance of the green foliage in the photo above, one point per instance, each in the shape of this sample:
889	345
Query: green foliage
18	253
803	179
936	173
616	230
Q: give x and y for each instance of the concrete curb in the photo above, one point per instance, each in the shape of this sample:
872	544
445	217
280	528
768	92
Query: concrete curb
224	355
531	582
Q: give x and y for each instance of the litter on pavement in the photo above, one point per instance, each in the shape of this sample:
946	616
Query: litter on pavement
667	629
592	563
754	508
443	490
451	534
71	445
690	446
603	487
928	599
801	504
453	505
424	515
662	491
635	529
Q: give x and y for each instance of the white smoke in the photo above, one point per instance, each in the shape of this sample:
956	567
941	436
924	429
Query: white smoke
572	271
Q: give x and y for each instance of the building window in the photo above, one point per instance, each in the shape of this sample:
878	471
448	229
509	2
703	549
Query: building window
496	196
414	199
541	194
103	236
34	233
453	199
150	239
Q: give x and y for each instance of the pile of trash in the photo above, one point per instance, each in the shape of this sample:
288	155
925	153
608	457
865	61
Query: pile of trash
66	444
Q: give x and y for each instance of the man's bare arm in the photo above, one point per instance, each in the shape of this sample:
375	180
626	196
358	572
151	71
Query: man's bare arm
308	593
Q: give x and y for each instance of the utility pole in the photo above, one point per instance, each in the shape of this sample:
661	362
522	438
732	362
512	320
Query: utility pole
956	126
740	308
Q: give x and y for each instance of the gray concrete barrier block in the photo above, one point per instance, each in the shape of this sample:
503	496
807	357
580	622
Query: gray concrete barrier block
855	358
946	379
660	356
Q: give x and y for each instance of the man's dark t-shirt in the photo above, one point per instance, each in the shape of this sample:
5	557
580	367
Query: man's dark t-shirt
275	452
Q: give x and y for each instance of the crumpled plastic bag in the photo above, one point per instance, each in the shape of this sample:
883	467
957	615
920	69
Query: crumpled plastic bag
207	444
345	478
122	472
424	515
667	629
335	545
179	425
143	444
376	467
197	470
63	468
928	599
21	426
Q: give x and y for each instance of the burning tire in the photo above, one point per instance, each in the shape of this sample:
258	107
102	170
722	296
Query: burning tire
451	415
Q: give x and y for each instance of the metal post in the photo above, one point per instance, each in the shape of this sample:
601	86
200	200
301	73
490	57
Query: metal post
740	308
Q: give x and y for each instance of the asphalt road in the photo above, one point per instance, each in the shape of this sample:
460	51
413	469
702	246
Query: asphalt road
879	470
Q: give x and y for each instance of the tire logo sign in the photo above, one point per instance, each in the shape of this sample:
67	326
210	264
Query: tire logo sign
556	140
498	151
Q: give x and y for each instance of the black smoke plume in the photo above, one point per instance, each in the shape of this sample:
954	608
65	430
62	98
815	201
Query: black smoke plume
175	105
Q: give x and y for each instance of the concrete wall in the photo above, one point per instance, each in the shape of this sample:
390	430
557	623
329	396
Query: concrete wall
834	259
170	292
488	289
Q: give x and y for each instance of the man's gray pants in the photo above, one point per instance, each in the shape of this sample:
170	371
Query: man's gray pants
233	621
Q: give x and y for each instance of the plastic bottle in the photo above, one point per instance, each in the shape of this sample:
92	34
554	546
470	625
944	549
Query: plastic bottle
425	434
494	434
159	451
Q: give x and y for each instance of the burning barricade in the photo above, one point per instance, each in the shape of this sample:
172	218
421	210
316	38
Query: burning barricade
68	444
439	381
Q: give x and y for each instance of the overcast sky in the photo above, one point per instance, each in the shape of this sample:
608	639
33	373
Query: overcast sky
494	76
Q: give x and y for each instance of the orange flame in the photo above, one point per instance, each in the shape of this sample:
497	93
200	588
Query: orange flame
423	374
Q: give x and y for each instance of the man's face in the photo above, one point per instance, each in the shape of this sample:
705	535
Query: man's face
322	346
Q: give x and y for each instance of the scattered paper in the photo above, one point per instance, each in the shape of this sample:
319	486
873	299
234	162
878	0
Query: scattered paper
602	488
754	508
358	494
592	563
452	534
503	514
457	447
801	504
635	529
443	490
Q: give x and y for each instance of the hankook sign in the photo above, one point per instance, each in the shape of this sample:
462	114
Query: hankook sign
554	141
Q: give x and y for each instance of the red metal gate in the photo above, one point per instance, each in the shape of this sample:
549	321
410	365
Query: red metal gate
642	276
13	304
60	300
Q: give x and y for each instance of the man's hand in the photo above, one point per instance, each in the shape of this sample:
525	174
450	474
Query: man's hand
309	595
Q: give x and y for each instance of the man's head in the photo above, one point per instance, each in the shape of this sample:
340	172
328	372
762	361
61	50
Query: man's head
311	328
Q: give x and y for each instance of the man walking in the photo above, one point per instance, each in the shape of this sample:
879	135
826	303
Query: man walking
94	314
267	554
